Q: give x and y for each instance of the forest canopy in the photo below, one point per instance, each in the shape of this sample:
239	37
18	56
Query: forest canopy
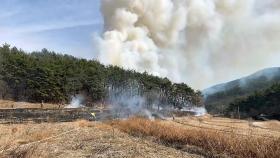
51	77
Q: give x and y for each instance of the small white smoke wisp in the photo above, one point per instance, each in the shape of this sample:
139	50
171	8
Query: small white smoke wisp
198	111
148	114
220	39
76	102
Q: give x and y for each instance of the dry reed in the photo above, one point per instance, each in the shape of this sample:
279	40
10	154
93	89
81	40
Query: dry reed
212	142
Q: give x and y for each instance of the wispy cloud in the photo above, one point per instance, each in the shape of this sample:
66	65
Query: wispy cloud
48	27
64	26
8	14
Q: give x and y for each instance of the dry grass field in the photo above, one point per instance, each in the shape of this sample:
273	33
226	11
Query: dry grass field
137	137
204	136
210	137
78	139
267	129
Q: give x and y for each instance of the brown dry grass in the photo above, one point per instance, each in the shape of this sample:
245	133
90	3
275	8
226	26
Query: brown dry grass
210	141
13	135
85	140
268	129
84	123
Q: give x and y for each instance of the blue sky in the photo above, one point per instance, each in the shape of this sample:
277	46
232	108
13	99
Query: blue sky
65	26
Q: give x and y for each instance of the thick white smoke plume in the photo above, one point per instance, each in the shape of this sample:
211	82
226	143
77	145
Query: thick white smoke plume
191	40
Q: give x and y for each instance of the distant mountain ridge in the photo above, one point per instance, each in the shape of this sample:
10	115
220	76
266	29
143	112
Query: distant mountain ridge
240	88
271	74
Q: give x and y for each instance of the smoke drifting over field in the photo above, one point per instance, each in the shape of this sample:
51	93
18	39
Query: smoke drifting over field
190	40
125	102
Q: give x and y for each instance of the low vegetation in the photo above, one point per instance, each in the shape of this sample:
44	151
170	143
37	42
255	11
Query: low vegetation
212	143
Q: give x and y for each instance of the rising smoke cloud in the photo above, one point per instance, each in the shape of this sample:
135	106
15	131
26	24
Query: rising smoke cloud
200	42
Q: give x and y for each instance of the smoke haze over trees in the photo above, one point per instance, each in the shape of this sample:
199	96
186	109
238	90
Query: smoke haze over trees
56	78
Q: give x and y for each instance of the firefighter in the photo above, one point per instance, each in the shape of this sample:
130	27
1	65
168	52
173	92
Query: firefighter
42	104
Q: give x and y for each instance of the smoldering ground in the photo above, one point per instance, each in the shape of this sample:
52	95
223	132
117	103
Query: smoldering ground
130	101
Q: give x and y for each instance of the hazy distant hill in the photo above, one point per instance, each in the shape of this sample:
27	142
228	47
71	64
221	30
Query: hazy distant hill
261	104
218	97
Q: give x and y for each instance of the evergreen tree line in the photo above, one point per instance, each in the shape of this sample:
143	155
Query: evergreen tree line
51	77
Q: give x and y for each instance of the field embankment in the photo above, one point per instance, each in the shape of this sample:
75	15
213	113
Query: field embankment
7	104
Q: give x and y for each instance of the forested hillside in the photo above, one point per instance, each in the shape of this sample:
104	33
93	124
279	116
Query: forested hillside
51	77
265	102
218	98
